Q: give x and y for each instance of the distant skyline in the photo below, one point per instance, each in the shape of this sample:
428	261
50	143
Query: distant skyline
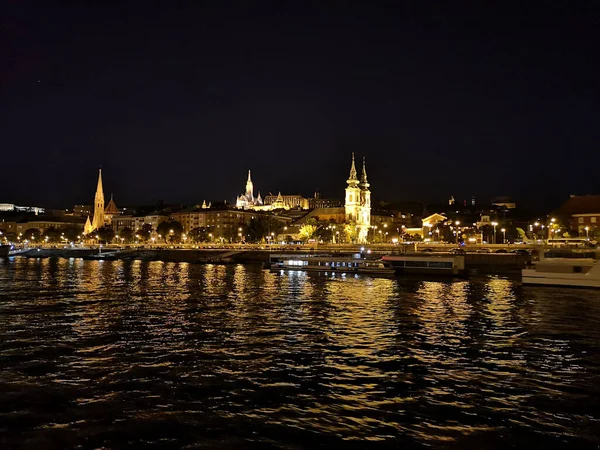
177	103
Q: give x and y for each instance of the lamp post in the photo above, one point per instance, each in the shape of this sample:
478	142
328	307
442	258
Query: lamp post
495	224
550	226
587	233
457	223
504	235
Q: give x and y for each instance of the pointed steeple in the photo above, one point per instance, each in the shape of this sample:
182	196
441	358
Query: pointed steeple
87	228
98	220
279	197
249	189
352	180
364	184
99	190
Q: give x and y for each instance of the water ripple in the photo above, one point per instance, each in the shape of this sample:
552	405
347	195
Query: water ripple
99	354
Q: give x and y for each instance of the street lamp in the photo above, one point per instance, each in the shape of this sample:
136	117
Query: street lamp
587	233
504	235
495	224
457	223
550	227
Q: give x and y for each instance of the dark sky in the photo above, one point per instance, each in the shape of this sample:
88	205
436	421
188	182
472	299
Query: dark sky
177	102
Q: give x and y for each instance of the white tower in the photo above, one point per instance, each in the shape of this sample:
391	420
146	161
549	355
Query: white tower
364	218
249	189
352	202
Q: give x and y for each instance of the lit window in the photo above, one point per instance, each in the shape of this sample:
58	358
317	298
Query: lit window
580	220
593	220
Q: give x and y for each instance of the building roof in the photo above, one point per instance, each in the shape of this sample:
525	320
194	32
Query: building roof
111	208
581	204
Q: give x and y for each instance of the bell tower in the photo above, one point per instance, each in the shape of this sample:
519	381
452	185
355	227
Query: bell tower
364	220
249	188
352	202
98	221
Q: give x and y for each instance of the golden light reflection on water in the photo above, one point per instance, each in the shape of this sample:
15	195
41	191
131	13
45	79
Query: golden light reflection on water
352	357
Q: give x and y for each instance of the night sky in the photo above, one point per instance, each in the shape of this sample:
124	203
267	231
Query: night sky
176	102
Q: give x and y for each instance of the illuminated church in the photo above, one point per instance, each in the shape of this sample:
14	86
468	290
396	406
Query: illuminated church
102	216
247	200
358	202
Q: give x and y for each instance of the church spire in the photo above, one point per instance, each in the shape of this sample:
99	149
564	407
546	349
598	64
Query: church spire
98	220
249	189
352	180
364	184
99	191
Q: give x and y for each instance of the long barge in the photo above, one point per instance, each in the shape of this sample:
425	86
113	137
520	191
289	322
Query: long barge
387	266
445	265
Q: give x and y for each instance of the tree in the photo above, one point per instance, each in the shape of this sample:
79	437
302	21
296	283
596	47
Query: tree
105	234
144	232
72	233
307	231
325	232
31	234
350	233
256	229
198	234
170	231
125	235
52	235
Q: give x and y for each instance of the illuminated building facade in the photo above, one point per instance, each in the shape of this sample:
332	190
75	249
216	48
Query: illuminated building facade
247	200
358	202
102	216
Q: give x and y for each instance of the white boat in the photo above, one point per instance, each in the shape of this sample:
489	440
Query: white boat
565	268
330	264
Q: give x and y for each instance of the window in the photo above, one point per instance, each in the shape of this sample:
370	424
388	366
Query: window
440	265
416	263
580	220
593	220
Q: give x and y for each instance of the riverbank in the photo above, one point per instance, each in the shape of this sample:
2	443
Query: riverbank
503	263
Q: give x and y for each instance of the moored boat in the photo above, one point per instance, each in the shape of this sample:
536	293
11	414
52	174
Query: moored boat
330	264
564	268
446	265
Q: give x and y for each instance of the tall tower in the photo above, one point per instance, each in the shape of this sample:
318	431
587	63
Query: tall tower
364	218
249	188
98	221
352	202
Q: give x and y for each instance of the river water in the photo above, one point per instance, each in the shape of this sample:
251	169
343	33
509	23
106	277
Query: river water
116	354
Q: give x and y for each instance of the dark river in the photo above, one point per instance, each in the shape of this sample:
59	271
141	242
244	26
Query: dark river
164	355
